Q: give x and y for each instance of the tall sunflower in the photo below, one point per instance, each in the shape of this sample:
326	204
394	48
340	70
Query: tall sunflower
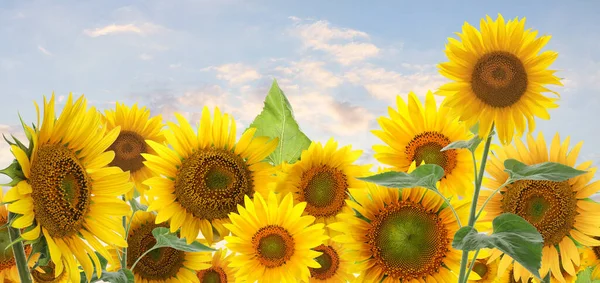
137	130
417	133
160	265
335	265
219	271
273	242
322	177
400	236
206	175
69	195
561	211
498	77
486	268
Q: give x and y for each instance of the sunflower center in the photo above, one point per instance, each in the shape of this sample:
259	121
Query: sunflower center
408	241
128	148
274	245
499	79
212	182
329	261
427	147
480	268
324	190
549	206
596	249
7	259
48	275
212	275
61	190
160	264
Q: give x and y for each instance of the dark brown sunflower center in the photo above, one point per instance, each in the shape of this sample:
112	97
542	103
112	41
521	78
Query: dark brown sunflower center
499	79
7	259
212	275
128	148
324	190
212	182
408	241
481	268
274	245
61	190
329	261
47	275
160	264
549	206
426	146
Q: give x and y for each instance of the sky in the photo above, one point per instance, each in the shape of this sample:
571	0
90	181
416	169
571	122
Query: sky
341	63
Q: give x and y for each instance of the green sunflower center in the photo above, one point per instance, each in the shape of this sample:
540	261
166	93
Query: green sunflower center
499	79
324	189
408	241
426	147
480	268
212	275
549	206
329	261
61	190
212	182
274	245
128	148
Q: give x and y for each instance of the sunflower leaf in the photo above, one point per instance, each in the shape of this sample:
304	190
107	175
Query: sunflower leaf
15	172
585	276
121	276
166	239
512	235
136	206
277	121
426	176
547	171
471	144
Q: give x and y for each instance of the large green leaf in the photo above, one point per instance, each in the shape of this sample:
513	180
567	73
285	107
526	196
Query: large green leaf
585	276
550	171
166	239
277	121
426	176
512	235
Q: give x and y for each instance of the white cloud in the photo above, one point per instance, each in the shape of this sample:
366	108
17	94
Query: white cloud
312	72
235	74
44	50
142	29
320	36
145	57
175	66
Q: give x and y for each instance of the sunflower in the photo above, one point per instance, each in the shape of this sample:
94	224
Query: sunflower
508	276
47	274
205	176
219	271
160	265
137	130
561	211
322	178
486	268
335	266
273	242
417	133
69	195
498	77
590	257
400	235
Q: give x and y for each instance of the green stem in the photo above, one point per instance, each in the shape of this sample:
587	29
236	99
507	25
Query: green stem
19	252
125	227
471	266
142	256
451	208
489	198
478	181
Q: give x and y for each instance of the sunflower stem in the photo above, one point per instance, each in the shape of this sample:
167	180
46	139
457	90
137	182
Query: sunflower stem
19	252
489	198
125	226
471	266
478	181
451	208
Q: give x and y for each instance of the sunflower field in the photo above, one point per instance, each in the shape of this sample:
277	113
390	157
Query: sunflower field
467	194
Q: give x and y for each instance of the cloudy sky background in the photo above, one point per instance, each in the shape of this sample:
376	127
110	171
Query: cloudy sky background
341	63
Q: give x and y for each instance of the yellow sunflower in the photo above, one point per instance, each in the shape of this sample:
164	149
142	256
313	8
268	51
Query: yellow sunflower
417	133
219	271
335	266
273	242
70	196
160	265
561	211
47	274
322	177
590	257
486	267
508	276
206	175
137	130
498	77
401	235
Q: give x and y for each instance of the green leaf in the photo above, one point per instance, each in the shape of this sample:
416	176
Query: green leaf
550	171
585	276
512	235
136	206
426	176
471	144
15	172
166	239
277	121
121	276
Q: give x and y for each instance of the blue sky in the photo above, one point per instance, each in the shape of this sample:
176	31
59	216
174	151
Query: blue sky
341	63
